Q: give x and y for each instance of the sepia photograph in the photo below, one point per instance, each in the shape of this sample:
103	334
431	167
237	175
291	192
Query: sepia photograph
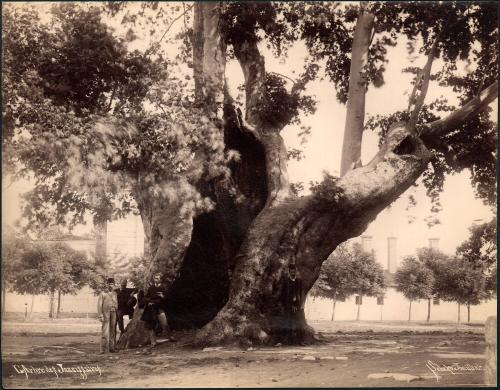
249	194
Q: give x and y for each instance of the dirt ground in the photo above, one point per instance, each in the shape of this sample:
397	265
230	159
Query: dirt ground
352	354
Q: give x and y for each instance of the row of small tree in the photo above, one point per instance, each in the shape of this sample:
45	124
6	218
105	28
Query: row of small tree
348	271
38	267
468	277
432	274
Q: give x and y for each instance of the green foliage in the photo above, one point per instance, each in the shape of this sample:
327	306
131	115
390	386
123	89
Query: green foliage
414	280
334	281
454	152
278	107
455	278
480	252
468	32
42	268
137	271
462	283
95	124
350	270
327	191
13	247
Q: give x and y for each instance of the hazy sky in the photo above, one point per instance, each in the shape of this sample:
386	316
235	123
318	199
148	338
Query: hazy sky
322	152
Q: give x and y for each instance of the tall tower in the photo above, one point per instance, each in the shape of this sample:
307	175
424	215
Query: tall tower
434	243
392	260
367	243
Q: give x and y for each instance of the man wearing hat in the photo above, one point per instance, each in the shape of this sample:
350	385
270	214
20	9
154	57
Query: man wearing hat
107	304
292	298
126	303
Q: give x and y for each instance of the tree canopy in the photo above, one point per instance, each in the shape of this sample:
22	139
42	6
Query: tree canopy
64	76
348	271
37	267
414	280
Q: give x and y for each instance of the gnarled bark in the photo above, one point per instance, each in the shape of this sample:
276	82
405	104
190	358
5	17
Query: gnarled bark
305	231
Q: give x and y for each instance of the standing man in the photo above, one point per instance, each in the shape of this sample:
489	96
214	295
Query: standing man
293	306
126	303
107	304
154	310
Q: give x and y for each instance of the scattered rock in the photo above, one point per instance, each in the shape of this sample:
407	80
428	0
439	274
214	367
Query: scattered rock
250	349
274	380
308	357
327	357
395	376
443	343
208	349
341	358
278	345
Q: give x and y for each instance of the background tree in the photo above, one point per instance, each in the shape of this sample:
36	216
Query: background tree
461	282
436	261
414	280
480	251
334	281
368	277
45	268
172	144
13	245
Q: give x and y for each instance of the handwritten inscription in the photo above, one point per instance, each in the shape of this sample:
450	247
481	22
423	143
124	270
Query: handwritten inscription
58	369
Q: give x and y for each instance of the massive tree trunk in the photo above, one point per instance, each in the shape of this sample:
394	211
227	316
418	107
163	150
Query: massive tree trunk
428	309
224	268
305	231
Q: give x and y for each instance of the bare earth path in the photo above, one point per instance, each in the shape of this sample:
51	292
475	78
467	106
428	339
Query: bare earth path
350	353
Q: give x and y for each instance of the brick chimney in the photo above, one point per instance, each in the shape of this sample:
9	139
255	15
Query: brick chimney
434	243
392	259
367	243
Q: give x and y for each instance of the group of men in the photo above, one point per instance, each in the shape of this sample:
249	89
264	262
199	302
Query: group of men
113	304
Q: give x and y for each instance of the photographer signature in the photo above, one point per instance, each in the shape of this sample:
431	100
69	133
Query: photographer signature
453	368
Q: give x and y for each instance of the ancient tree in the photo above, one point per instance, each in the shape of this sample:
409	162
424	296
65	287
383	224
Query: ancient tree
209	179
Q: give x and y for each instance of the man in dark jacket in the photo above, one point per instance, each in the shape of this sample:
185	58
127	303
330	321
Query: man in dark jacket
126	303
154	310
292	299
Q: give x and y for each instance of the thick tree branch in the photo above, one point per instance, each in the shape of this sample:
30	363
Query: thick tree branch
423	78
354	125
457	117
305	231
252	64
